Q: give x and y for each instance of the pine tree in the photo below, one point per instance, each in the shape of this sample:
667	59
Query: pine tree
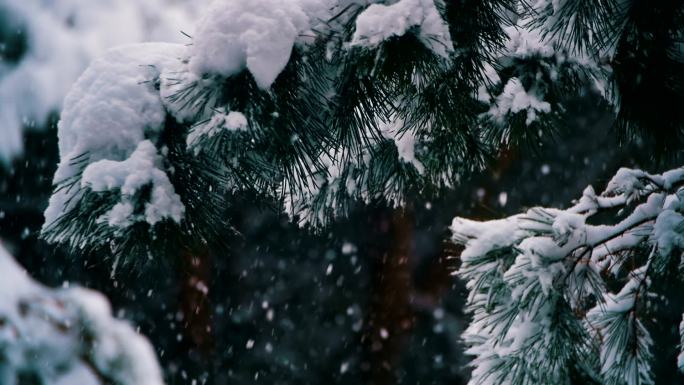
325	104
317	106
561	295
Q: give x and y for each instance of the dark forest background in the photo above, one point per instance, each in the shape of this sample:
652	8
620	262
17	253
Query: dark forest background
370	300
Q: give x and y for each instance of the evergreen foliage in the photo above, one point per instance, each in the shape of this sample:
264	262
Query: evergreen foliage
352	120
565	296
378	112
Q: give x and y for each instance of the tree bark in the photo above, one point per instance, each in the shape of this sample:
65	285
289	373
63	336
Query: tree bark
195	305
390	317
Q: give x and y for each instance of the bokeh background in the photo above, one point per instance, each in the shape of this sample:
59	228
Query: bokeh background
370	300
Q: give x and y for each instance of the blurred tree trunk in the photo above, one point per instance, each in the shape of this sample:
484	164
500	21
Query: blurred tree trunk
194	299
390	317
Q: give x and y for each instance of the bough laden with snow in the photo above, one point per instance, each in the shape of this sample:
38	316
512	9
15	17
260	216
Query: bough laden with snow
317	105
561	295
42	51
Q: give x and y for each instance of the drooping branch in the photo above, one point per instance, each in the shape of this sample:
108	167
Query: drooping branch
532	262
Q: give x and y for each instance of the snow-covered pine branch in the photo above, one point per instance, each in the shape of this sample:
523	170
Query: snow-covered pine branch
561	295
46	45
317	104
66	336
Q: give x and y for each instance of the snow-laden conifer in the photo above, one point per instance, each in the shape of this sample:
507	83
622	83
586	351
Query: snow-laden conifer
568	295
320	105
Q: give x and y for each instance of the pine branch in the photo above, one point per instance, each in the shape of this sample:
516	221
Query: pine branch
550	256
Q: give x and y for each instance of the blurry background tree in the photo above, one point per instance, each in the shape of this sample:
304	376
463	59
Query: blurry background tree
368	300
66	336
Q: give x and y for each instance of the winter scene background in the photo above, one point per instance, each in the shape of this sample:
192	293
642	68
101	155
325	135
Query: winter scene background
376	192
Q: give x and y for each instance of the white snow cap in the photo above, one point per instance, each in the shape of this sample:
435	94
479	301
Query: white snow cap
67	336
142	168
63	36
380	22
257	35
110	110
526	42
630	182
514	99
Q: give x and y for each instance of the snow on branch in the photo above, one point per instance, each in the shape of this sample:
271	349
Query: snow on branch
257	35
66	336
53	41
543	283
379	22
108	114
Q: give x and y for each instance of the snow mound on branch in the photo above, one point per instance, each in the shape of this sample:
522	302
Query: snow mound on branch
66	336
257	35
141	169
668	232
220	121
62	37
565	224
630	182
405	141
514	99
111	109
481	238
380	22
233	36
524	42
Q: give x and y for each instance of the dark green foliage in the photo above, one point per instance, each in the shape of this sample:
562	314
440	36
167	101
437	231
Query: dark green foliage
639	43
476	30
286	134
581	26
649	74
318	138
333	104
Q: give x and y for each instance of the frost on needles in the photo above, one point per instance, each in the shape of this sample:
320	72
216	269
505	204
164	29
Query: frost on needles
562	295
